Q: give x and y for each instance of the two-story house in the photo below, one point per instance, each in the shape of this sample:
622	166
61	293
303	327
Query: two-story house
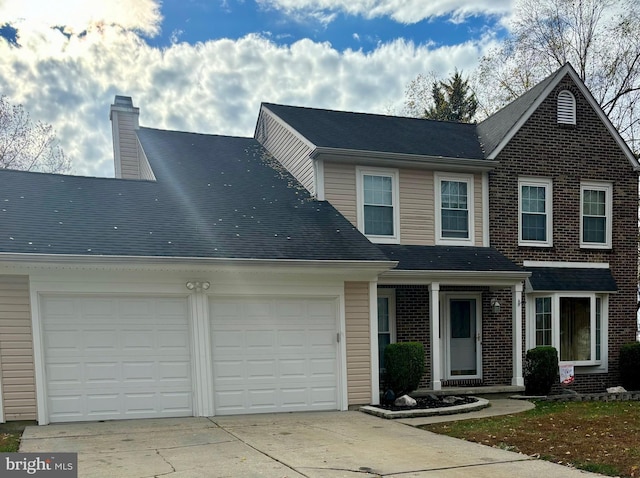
543	190
220	275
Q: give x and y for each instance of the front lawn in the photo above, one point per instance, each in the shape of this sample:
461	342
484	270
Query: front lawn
603	437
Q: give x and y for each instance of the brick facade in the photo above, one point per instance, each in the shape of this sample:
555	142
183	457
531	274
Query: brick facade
569	155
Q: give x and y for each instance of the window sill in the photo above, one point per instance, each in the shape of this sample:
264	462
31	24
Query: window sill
535	244
600	247
383	239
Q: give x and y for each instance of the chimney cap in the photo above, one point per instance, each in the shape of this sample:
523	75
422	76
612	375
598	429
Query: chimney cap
123	101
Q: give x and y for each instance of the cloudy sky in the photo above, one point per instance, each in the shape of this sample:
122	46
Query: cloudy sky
206	65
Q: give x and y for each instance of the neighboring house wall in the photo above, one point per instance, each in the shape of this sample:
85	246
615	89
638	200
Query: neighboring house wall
288	148
569	155
16	350
417	201
356	297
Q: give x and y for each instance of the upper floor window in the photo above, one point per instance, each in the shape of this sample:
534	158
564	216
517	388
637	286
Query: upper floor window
595	215
454	209
566	108
535	214
378	214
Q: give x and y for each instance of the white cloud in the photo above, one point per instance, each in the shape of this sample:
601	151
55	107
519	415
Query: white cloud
402	11
80	15
212	87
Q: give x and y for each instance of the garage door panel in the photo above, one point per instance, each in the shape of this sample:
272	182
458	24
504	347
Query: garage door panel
264	353
135	362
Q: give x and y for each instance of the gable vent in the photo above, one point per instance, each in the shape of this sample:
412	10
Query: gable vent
566	108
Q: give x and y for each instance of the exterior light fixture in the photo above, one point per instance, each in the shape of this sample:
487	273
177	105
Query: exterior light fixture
197	285
495	306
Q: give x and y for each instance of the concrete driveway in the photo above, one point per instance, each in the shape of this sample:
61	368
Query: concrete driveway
313	445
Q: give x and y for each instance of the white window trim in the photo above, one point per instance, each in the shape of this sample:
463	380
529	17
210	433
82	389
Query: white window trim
608	189
585	366
391	295
394	175
537	182
452	241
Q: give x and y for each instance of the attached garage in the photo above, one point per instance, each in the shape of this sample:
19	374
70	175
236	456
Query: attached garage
274	354
116	357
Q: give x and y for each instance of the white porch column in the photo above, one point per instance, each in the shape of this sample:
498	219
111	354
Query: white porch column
516	299
434	301
373	340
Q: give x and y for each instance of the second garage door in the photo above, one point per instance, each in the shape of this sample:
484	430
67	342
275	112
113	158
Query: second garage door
274	355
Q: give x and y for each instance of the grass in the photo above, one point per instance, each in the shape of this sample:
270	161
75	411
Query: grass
602	437
10	435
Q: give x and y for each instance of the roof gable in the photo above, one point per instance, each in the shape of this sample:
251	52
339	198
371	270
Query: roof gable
496	131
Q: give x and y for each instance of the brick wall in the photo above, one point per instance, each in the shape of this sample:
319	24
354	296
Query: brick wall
568	155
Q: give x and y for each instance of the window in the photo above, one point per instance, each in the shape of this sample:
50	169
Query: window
595	216
378	216
386	322
573	324
454	209
535	216
566	108
543	321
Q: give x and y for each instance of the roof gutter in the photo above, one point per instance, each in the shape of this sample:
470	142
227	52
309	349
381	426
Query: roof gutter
372	266
403	159
484	278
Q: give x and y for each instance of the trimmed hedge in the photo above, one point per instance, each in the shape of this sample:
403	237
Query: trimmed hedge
541	370
404	363
630	366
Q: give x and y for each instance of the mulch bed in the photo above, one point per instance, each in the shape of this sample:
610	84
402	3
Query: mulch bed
430	402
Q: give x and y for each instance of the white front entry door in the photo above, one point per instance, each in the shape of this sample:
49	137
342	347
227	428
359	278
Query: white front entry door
462	338
274	354
116	357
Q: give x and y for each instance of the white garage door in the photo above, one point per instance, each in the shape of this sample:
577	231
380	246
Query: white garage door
274	355
116	357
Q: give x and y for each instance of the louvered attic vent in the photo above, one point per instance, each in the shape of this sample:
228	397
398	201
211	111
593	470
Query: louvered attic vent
566	108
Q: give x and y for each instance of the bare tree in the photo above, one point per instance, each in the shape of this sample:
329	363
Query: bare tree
598	37
28	145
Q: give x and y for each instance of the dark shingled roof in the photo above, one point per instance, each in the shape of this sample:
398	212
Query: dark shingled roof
569	278
493	129
388	134
215	196
448	258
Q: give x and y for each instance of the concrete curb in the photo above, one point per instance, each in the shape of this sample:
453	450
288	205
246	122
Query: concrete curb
426	412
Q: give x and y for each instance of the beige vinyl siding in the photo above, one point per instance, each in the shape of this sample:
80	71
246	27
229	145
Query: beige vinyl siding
16	349
129	163
417	220
145	168
287	148
356	296
340	189
477	192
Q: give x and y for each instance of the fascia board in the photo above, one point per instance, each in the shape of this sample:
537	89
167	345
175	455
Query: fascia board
194	263
387	159
488	278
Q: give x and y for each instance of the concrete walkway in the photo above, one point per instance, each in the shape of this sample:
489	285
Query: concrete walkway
312	445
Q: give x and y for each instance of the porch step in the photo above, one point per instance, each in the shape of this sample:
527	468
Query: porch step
475	390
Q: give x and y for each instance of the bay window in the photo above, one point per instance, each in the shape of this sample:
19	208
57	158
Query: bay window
570	322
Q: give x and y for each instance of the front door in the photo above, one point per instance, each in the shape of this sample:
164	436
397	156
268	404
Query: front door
463	338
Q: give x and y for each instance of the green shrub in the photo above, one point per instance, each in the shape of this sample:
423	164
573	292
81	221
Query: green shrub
540	370
630	366
404	363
